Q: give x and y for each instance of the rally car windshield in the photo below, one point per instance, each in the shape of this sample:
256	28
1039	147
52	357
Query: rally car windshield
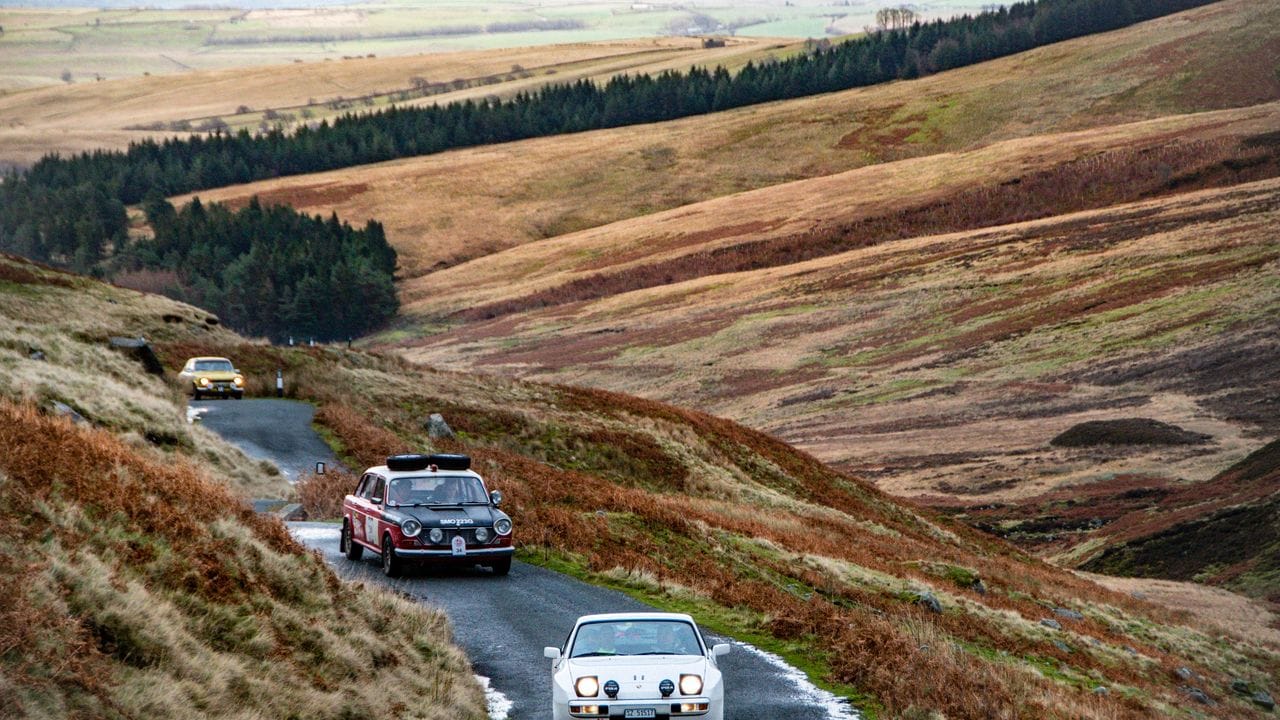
213	366
437	490
636	637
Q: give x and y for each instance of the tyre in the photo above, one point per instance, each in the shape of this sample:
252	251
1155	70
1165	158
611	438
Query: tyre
352	549
238	396
392	566
501	567
195	394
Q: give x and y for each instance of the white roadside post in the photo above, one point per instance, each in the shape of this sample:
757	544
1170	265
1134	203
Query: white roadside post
279	382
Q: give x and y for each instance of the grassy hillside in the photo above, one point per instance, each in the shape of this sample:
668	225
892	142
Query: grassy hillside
161	592
445	209
916	359
864	314
699	514
1225	531
137	581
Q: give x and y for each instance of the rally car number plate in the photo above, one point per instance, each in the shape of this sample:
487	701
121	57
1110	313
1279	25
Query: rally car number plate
460	548
639	713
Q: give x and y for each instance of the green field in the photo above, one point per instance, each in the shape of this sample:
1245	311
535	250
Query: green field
49	44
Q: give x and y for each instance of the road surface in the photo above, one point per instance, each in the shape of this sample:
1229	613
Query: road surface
268	429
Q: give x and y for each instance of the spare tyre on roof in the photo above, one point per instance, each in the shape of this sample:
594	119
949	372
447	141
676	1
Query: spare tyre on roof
450	461
418	461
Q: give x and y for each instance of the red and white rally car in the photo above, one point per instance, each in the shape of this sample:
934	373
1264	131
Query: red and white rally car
426	508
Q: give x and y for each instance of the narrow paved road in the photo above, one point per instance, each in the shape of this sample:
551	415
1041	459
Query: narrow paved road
502	622
268	429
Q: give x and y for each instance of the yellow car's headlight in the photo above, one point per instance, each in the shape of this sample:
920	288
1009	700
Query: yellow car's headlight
239	381
203	382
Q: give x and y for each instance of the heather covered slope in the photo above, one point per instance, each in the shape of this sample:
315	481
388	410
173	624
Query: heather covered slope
1224	532
758	540
136	580
163	592
943	366
445	209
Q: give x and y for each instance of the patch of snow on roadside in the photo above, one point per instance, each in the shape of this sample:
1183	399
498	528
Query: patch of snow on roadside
837	707
194	413
498	703
315	532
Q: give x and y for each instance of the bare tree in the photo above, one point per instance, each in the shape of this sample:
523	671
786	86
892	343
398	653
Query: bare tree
895	18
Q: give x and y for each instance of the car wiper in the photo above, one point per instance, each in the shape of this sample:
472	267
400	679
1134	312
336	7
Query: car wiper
594	654
661	652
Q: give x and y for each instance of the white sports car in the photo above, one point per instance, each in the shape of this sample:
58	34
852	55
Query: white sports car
636	665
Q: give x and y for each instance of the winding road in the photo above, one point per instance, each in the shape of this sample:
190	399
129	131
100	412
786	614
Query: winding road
503	623
275	430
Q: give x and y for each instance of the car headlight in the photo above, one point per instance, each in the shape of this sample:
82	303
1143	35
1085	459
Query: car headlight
690	684
436	535
587	686
503	526
203	382
411	527
239	381
482	535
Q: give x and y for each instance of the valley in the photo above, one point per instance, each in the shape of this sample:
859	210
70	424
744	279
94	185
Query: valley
958	393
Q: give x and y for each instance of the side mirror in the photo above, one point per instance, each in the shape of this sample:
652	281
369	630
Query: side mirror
495	497
551	653
720	649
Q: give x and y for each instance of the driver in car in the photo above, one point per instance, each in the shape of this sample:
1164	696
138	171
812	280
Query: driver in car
401	492
597	640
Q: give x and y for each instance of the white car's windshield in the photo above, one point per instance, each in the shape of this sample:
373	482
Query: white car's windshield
214	366
437	490
635	637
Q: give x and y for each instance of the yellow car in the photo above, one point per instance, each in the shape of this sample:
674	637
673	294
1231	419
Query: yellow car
212	377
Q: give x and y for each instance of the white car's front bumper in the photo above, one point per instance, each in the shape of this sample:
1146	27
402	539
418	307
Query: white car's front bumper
663	708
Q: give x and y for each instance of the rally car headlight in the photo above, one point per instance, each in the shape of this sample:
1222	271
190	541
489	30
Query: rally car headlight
482	535
203	382
503	526
436	535
239	381
587	686
411	527
690	684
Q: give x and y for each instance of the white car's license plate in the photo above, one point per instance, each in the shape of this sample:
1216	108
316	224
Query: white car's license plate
639	713
460	548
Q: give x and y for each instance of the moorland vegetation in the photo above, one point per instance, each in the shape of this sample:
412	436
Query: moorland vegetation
70	210
136	580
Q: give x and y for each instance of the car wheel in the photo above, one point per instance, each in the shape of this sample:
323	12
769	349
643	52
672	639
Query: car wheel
352	549
501	567
239	396
195	394
392	566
